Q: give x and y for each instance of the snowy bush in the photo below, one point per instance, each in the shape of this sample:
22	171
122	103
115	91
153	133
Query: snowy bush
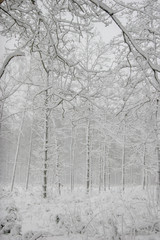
10	224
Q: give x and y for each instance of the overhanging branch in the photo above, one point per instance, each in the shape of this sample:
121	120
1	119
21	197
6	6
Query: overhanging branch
17	53
111	13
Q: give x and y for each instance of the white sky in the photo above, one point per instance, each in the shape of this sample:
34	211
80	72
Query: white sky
108	32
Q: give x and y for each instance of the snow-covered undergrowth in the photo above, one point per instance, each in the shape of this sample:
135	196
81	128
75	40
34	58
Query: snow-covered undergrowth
110	215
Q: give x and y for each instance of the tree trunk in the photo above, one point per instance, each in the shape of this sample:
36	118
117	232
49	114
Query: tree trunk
123	169
124	157
144	167
109	174
58	169
105	168
109	169
88	156
46	144
100	173
158	150
29	156
158	175
91	174
72	158
17	151
1	114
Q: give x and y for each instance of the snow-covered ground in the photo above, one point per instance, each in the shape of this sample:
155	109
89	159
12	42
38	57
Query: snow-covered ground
110	215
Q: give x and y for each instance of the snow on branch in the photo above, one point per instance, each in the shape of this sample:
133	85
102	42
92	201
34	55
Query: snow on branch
17	53
109	11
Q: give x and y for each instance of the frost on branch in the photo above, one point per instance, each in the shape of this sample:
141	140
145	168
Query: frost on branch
17	53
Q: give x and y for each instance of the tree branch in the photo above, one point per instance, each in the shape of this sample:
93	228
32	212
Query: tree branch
111	13
17	53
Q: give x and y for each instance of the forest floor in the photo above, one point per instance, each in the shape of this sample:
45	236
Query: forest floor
111	215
